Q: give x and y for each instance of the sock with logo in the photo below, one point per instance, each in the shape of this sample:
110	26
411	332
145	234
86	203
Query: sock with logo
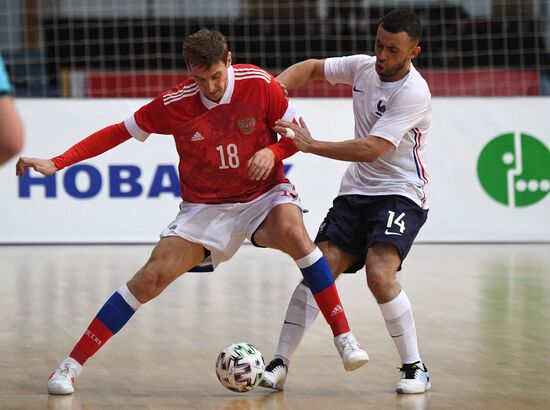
301	313
399	320
110	319
319	278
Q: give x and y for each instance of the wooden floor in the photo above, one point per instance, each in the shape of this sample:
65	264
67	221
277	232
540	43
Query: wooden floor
482	314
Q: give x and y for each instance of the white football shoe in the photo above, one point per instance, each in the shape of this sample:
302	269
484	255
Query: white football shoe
275	375
63	378
414	379
352	353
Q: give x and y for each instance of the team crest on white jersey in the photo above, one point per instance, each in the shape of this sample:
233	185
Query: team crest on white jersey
380	108
197	137
246	125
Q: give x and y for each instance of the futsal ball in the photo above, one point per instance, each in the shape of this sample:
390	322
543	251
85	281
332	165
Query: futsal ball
240	367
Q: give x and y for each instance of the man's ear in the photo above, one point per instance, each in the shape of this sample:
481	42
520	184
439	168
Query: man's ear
415	51
229	58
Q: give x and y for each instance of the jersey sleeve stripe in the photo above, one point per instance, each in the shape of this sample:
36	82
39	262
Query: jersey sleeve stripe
180	97
246	77
184	90
239	72
290	113
180	92
134	129
262	73
250	70
421	172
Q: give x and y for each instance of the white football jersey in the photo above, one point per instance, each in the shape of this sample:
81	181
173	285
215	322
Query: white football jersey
399	112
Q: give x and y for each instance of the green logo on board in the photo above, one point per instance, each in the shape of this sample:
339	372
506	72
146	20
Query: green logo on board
514	169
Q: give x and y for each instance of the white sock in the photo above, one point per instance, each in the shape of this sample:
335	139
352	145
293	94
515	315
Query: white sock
399	320
301	313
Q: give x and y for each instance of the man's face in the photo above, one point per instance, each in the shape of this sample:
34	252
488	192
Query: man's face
212	81
394	53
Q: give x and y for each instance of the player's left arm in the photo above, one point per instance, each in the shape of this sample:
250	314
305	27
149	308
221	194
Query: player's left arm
355	150
407	110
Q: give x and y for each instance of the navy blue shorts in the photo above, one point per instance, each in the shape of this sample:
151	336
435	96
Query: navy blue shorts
355	222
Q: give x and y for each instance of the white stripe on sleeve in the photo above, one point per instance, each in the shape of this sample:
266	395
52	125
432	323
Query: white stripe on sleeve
290	113
134	129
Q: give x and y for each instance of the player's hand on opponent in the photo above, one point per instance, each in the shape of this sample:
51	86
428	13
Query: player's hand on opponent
261	164
298	133
44	166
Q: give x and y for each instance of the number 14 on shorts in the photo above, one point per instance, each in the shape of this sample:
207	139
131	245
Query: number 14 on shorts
392	220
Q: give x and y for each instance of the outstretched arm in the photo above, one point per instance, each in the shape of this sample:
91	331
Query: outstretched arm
96	144
355	150
302	73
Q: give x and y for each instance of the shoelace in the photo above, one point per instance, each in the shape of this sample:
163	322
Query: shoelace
66	371
274	365
409	371
348	345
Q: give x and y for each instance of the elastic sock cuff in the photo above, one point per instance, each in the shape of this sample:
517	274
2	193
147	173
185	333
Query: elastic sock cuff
310	259
129	297
395	307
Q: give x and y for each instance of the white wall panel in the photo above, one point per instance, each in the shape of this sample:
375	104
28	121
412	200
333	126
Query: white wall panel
461	210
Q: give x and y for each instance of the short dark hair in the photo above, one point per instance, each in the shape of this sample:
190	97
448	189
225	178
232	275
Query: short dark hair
205	48
399	20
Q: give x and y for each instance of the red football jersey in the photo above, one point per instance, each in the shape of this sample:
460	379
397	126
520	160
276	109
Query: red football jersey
215	140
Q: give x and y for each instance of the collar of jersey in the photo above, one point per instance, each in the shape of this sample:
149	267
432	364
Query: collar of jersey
226	98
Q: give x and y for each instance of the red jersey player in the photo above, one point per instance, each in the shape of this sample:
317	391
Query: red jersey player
232	186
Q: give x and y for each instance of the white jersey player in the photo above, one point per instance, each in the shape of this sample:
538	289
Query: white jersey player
398	112
381	205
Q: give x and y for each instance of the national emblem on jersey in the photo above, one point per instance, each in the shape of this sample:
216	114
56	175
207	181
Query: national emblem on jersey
246	125
380	108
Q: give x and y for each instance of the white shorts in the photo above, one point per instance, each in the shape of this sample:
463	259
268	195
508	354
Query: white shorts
222	228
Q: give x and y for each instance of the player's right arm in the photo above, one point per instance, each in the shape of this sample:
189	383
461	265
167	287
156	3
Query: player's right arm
151	118
302	73
93	145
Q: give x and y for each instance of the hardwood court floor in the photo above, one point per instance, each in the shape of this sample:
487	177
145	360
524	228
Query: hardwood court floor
482	313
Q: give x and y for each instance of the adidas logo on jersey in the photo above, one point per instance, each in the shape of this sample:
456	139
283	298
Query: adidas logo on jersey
197	137
337	309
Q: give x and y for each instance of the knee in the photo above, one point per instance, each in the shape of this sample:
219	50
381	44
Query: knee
374	280
284	229
380	283
146	284
292	238
296	242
